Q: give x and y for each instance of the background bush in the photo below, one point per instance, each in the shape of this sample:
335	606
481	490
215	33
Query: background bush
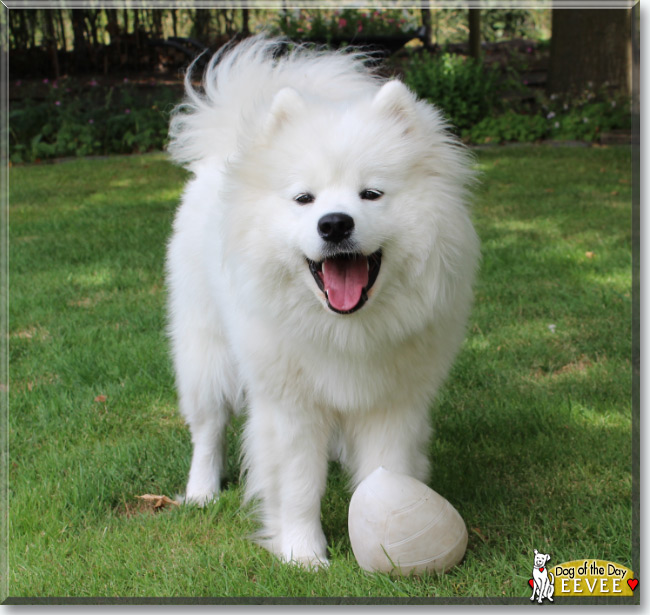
81	118
466	90
89	120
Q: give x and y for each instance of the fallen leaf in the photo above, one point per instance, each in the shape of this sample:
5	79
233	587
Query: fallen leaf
589	254
100	398
157	502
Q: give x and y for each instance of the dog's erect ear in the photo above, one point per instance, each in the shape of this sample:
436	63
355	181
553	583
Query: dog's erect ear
536	552
395	100
286	103
548	557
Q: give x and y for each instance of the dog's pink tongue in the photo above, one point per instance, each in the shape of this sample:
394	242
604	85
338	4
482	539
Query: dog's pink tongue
344	281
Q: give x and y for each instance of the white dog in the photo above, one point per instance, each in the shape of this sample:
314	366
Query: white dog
320	271
542	584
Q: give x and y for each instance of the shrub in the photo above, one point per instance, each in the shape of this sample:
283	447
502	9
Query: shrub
509	126
587	116
584	119
90	121
465	90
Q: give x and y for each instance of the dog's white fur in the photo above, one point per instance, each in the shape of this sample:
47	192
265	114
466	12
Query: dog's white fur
542	578
247	320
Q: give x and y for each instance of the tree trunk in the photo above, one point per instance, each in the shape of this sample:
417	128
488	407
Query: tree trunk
475	33
61	24
245	29
201	19
50	37
156	18
590	48
425	10
80	50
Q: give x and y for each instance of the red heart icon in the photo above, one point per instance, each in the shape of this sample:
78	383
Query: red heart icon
541	570
531	582
633	583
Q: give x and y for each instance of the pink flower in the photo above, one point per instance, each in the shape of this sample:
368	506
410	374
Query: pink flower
126	79
359	28
93	83
57	103
342	22
299	30
91	121
127	111
46	80
55	85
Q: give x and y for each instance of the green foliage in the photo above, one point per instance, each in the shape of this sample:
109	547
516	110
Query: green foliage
466	90
583	119
88	121
509	126
347	24
499	24
587	116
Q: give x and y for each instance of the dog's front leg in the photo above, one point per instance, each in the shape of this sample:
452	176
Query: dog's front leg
542	590
285	455
535	589
393	437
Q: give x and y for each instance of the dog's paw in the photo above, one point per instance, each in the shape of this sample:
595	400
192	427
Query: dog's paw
305	549
311	563
310	556
200	499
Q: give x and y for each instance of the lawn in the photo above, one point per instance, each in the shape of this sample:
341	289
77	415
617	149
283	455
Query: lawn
533	429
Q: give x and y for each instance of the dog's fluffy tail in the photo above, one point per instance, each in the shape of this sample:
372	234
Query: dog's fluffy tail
238	87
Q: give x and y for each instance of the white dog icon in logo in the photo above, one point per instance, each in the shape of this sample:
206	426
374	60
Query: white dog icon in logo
542	581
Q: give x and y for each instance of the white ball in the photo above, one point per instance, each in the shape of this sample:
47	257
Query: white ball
399	525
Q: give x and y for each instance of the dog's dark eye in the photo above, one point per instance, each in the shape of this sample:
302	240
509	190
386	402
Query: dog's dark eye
304	198
371	195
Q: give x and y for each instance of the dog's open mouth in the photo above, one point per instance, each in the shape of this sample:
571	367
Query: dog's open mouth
345	279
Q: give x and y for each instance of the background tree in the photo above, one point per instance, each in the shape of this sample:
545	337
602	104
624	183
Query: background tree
475	33
590	47
426	21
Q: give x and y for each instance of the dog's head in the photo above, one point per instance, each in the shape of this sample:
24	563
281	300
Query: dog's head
541	559
351	199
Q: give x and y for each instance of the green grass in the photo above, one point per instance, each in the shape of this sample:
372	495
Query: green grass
533	429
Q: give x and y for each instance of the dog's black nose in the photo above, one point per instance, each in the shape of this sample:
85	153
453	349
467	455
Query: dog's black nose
335	227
